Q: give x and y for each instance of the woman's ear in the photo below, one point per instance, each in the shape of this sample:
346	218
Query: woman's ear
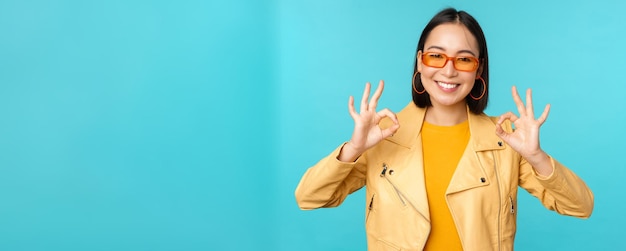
479	72
419	61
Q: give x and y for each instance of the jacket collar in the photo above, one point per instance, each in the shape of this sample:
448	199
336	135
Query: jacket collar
482	129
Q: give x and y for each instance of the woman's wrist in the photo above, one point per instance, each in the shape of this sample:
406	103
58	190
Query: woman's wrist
348	153
541	163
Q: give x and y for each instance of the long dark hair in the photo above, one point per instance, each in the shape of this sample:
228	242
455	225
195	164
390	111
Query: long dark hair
451	15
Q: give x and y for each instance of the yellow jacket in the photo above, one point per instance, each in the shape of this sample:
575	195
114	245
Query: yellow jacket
482	193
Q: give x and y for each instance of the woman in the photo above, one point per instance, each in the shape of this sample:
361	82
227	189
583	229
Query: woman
442	175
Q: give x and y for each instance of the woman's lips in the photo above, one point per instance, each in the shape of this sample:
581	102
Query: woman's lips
447	87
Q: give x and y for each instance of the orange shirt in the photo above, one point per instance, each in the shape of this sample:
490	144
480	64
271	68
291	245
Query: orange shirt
443	147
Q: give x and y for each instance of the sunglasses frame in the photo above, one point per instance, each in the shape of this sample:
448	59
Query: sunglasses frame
453	59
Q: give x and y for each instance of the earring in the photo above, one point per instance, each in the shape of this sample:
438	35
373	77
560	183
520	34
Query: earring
413	82
484	89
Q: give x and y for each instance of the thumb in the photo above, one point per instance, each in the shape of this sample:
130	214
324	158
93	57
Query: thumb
391	130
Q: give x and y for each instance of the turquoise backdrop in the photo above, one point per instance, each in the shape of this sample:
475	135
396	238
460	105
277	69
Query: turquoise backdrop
186	125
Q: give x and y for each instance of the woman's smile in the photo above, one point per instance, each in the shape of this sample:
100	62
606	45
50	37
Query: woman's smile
447	86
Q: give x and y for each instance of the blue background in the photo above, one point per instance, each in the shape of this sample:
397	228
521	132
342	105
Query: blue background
159	125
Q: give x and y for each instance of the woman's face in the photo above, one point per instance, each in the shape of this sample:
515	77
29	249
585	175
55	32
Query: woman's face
448	86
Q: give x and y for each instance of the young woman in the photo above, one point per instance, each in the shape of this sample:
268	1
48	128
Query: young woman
442	175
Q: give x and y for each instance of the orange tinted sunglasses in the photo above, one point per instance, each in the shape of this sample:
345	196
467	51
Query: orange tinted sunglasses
439	60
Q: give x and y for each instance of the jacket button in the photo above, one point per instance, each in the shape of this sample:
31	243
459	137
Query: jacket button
482	179
499	143
390	172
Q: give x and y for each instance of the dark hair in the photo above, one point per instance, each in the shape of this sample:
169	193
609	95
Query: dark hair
451	15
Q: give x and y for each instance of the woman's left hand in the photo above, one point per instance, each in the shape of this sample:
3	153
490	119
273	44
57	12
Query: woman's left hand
525	138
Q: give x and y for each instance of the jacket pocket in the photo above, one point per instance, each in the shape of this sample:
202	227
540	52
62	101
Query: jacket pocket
394	188
370	207
511	206
509	218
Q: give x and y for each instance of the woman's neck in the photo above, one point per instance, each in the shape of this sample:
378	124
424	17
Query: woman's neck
446	115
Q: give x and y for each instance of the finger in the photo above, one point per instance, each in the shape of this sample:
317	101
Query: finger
366	95
499	131
379	91
390	131
544	115
502	133
518	101
351	109
509	115
387	113
529	104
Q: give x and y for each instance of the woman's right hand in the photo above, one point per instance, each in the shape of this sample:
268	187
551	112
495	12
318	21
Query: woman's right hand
367	132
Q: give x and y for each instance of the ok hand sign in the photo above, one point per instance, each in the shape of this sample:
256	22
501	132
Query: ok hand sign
367	132
525	138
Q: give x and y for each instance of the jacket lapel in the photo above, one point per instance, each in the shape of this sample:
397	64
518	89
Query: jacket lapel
470	172
410	179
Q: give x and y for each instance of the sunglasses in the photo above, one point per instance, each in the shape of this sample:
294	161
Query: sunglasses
439	60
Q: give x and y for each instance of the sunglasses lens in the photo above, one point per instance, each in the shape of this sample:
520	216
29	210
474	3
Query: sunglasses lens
465	64
434	60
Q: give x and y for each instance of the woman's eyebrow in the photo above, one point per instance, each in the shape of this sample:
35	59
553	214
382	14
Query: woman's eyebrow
467	51
441	48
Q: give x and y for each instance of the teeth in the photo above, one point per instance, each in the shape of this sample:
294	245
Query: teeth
446	85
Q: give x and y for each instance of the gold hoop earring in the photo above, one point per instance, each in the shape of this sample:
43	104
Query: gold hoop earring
413	82
484	89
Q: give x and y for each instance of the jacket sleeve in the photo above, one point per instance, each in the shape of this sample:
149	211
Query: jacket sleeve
330	181
563	191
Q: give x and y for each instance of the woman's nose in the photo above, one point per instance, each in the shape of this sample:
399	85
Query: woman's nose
448	68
